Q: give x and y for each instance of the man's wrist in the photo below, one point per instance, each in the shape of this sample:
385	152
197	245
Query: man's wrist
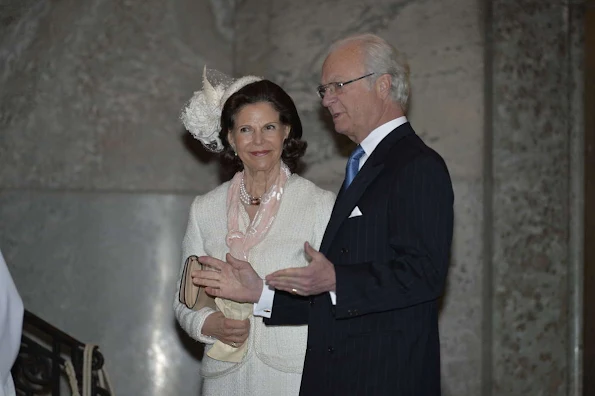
264	305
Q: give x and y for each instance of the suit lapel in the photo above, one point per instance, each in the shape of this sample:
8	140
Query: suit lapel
348	199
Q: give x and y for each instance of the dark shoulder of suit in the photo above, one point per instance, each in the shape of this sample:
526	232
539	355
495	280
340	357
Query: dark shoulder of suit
408	147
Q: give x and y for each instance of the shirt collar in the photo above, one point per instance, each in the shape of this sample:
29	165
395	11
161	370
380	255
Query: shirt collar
376	136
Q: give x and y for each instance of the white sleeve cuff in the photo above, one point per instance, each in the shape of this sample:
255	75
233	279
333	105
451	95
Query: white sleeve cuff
264	306
333	297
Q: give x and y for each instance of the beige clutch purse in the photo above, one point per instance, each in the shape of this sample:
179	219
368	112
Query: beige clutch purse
194	297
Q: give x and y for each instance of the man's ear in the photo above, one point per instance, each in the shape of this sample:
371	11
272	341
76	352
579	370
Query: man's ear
383	85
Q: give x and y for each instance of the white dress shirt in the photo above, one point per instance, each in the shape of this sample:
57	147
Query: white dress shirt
264	306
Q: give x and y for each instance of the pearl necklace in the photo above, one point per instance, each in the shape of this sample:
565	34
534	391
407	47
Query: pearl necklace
246	198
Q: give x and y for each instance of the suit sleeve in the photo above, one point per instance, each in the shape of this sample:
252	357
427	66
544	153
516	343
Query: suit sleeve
289	309
419	234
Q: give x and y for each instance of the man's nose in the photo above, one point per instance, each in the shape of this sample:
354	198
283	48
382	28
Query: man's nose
329	99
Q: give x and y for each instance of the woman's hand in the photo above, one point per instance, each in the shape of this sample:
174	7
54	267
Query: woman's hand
234	280
229	331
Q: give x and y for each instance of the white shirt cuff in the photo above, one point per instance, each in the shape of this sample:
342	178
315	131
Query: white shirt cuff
333	297
264	306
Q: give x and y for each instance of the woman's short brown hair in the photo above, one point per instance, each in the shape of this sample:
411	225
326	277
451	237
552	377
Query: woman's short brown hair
258	92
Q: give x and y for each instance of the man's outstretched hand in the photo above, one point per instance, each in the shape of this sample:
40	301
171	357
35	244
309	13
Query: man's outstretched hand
317	277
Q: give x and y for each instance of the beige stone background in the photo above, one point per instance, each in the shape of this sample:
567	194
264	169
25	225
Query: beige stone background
97	172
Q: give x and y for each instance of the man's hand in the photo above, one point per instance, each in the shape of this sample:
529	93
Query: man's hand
318	277
229	331
234	280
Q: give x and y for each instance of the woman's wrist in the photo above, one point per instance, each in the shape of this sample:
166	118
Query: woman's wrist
209	326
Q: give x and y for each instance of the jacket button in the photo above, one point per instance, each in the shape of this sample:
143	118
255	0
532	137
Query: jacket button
311	301
344	250
308	348
331	349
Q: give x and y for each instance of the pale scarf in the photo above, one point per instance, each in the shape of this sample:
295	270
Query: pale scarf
239	244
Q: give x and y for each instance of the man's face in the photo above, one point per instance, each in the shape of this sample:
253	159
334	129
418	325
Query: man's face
354	107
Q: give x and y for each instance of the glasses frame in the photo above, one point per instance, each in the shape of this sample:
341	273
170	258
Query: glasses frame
321	89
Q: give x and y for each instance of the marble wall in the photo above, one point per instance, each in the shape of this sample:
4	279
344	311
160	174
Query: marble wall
589	185
93	208
91	93
97	173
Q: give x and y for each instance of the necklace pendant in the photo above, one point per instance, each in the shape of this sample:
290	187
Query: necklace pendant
246	198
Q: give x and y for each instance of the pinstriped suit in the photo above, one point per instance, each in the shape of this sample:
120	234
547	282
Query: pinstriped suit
391	264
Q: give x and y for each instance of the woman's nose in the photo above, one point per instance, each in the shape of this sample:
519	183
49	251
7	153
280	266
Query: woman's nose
257	138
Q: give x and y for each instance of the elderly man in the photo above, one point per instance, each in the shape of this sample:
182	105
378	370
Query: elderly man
11	323
374	287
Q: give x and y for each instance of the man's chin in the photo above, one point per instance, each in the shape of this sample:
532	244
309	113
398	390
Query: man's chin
341	131
340	128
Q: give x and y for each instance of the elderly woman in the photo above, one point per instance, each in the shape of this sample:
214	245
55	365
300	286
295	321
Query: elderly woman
264	214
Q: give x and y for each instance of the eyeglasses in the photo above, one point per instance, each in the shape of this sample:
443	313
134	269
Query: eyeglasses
336	86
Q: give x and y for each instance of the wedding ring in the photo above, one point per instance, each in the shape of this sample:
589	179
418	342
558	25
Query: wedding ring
233	344
294	291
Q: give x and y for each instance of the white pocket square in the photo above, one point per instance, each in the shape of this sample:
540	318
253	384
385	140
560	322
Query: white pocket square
355	212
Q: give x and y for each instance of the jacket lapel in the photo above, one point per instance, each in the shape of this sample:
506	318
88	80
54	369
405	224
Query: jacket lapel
348	199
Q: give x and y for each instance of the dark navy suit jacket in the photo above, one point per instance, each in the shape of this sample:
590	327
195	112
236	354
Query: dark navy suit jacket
381	338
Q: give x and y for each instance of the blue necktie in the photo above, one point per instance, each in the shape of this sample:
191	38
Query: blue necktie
353	165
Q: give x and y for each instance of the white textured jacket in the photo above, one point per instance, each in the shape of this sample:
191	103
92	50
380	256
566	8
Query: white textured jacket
303	215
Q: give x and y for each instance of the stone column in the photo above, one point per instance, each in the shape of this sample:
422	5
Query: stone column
534	269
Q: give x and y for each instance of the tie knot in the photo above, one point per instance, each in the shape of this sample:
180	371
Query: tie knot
357	153
353	165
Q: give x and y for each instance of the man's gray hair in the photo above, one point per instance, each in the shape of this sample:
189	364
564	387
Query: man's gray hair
382	58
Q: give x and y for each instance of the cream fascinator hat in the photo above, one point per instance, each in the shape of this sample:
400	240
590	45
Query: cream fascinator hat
202	114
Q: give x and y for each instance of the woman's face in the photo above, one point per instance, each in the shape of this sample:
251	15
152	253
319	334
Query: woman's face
257	136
